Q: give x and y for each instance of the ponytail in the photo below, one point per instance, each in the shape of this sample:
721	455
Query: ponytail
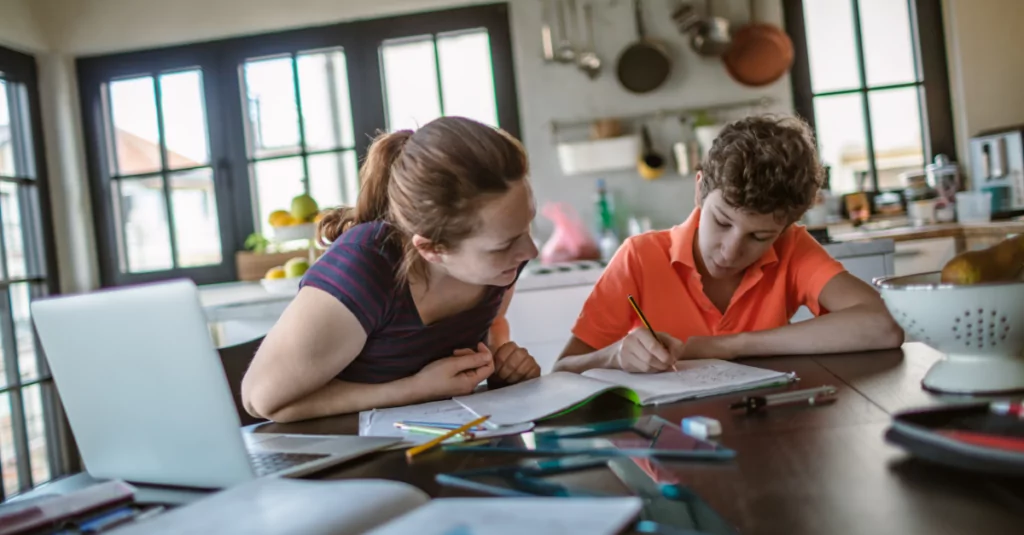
374	178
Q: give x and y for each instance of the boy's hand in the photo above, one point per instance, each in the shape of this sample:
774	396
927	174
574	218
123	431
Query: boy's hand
513	364
639	352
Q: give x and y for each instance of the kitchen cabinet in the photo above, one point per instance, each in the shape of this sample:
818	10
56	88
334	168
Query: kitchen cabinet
541	319
921	256
864	260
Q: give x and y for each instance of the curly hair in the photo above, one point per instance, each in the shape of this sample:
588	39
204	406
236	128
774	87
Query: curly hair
765	164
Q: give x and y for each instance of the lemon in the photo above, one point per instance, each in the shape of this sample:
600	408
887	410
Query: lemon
276	272
280	218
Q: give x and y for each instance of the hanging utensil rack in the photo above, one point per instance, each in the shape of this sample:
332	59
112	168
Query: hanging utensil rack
687	113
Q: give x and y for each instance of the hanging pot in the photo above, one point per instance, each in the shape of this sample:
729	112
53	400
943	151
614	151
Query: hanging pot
644	65
760	53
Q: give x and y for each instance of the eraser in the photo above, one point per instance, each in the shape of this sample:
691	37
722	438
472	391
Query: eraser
701	426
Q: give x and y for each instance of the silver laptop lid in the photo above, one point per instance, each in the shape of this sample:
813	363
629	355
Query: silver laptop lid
143	386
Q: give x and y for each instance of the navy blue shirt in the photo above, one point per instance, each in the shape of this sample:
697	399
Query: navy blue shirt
359	269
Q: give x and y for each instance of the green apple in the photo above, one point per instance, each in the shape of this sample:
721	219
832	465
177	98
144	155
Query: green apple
295	267
304	208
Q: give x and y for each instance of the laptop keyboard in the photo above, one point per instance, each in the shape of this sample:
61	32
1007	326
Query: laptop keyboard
271	462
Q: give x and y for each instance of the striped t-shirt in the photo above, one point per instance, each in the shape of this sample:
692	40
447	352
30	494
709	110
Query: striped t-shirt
359	269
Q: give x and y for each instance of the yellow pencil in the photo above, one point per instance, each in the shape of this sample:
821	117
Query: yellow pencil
411	452
646	323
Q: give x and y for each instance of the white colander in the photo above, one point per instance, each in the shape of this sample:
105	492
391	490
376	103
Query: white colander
979	328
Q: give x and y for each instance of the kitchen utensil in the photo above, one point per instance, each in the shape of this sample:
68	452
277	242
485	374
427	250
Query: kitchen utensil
974	206
565	52
687	157
605	128
922	212
651	164
943	176
979	328
547	45
644	65
760	53
706	135
710	37
588	61
686	17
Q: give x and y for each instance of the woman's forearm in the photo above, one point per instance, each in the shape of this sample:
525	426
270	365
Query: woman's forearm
343	397
858	328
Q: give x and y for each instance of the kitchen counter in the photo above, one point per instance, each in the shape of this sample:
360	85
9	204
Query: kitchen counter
238	312
221	301
965	234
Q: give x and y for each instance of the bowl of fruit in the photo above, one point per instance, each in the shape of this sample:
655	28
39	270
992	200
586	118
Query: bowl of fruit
284	279
296	223
973	312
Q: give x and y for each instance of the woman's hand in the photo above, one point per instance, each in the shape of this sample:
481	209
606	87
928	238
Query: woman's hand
457	375
513	364
639	352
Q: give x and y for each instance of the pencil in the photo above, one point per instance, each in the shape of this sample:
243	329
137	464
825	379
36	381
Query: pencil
412	452
647	324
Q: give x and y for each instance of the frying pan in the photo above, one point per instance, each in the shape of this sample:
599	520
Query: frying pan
644	65
760	53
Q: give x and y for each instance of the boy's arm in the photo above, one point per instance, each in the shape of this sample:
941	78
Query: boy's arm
857	321
604	335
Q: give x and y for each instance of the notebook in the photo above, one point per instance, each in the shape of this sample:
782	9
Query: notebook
378	507
561	392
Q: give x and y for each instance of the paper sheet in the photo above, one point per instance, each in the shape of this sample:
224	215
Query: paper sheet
534	399
381	422
516	516
695	378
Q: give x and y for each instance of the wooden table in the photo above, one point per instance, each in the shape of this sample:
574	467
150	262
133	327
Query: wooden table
812	470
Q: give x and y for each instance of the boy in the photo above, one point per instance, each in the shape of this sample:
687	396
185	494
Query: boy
725	283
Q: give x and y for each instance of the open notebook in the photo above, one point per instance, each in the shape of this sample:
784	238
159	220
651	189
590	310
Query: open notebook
562	391
377	507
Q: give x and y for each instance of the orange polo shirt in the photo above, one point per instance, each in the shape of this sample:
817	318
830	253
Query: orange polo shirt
658	268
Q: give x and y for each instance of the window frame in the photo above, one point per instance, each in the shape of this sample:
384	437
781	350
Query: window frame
360	41
21	69
938	135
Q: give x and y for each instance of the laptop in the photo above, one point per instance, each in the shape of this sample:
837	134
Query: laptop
147	399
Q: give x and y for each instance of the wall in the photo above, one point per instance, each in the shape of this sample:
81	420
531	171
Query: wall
546	92
18	27
985	68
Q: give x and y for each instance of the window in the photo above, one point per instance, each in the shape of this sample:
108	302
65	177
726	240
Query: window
870	75
162	182
192	148
299	130
31	429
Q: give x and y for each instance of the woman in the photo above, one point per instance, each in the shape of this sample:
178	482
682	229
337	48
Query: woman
407	304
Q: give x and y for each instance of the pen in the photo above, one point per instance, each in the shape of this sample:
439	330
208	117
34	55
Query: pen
428	430
647	324
412	452
440	425
809	396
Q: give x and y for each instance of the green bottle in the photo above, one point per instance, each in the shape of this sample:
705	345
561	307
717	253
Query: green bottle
603	210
